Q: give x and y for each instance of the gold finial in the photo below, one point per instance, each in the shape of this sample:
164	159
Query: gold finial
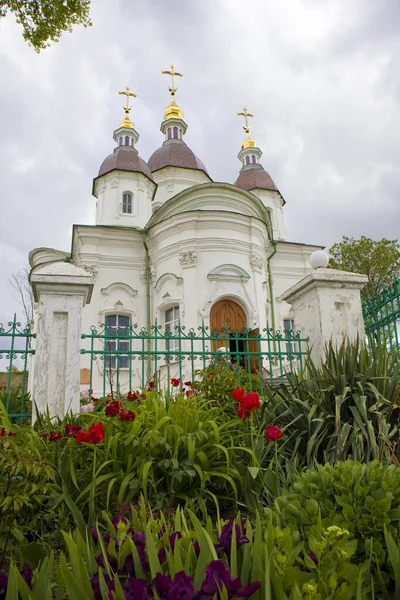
248	141
173	111
127	108
173	74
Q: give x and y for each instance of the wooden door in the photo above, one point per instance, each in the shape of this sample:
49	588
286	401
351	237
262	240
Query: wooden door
226	314
255	346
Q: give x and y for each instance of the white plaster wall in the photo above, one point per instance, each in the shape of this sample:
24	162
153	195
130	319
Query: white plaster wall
273	201
110	189
172	180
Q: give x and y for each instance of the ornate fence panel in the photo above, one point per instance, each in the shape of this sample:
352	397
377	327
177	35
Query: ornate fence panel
121	358
382	317
15	349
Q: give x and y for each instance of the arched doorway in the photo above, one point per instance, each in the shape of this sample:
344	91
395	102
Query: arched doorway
228	323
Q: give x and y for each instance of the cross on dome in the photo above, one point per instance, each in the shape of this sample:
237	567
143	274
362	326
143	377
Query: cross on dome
127	108
248	141
173	74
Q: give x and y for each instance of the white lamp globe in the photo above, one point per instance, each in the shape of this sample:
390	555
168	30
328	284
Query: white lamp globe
319	259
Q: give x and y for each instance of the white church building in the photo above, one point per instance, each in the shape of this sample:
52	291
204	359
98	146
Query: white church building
171	246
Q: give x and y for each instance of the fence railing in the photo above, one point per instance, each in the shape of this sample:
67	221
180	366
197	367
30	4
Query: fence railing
15	349
125	357
382	317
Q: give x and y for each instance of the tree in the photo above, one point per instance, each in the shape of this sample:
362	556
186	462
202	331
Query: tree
44	21
380	260
19	281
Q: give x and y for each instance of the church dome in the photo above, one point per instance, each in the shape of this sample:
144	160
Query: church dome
175	154
254	176
125	159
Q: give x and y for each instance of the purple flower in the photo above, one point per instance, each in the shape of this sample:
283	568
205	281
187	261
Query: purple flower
27	576
135	589
95	583
118	519
162	554
94	533
181	588
217	577
225	539
313	558
3	585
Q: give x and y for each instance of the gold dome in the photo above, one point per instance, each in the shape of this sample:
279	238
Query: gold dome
173	111
127	123
248	143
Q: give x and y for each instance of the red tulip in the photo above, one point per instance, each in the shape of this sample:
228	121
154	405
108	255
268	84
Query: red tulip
273	433
127	416
55	436
175	382
82	436
238	395
96	432
72	429
113	408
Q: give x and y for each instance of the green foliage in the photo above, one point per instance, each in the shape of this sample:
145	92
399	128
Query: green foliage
353	501
17	404
348	407
380	260
27	483
44	22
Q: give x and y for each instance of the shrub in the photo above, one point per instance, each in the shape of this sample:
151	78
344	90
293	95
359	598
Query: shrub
362	500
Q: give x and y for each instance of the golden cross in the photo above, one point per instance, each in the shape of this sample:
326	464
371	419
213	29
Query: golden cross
173	74
128	93
246	116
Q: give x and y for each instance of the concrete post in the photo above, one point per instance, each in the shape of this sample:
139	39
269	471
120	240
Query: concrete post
61	291
327	306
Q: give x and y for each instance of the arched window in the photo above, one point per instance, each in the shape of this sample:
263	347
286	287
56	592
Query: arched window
116	340
127	140
253	158
120	141
127	203
247	160
169	133
175	133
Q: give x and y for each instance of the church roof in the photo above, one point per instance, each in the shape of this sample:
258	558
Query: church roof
254	176
125	159
175	154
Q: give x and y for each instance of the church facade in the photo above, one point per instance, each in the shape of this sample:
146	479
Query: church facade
171	246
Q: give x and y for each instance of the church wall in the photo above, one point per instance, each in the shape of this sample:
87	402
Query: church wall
110	189
172	180
273	201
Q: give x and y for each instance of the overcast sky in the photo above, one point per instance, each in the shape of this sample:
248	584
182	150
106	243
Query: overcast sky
322	78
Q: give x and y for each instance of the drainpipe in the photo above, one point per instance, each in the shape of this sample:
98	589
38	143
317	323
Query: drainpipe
270	282
148	316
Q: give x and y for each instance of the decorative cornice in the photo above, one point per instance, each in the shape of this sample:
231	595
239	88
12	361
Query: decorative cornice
228	273
188	258
143	273
166	277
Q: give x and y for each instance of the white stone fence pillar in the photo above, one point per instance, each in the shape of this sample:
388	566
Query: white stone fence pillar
327	307
61	291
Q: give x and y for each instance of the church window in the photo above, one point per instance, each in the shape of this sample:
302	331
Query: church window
176	133
127	203
120	141
171	322
253	158
288	332
117	340
127	140
169	133
247	160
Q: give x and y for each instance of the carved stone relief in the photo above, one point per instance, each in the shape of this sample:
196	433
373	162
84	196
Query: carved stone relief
188	258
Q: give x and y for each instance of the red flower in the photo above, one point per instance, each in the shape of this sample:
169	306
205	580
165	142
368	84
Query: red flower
251	400
188	383
11	433
131	395
243	413
82	436
113	408
151	385
94	399
190	393
3	433
96	432
175	382
55	436
44	435
72	429
94	436
238	395
127	416
273	433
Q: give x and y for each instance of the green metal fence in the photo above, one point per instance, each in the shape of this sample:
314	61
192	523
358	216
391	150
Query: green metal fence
15	349
125	357
382	317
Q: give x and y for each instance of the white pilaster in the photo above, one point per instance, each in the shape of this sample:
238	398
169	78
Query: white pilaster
61	291
327	306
